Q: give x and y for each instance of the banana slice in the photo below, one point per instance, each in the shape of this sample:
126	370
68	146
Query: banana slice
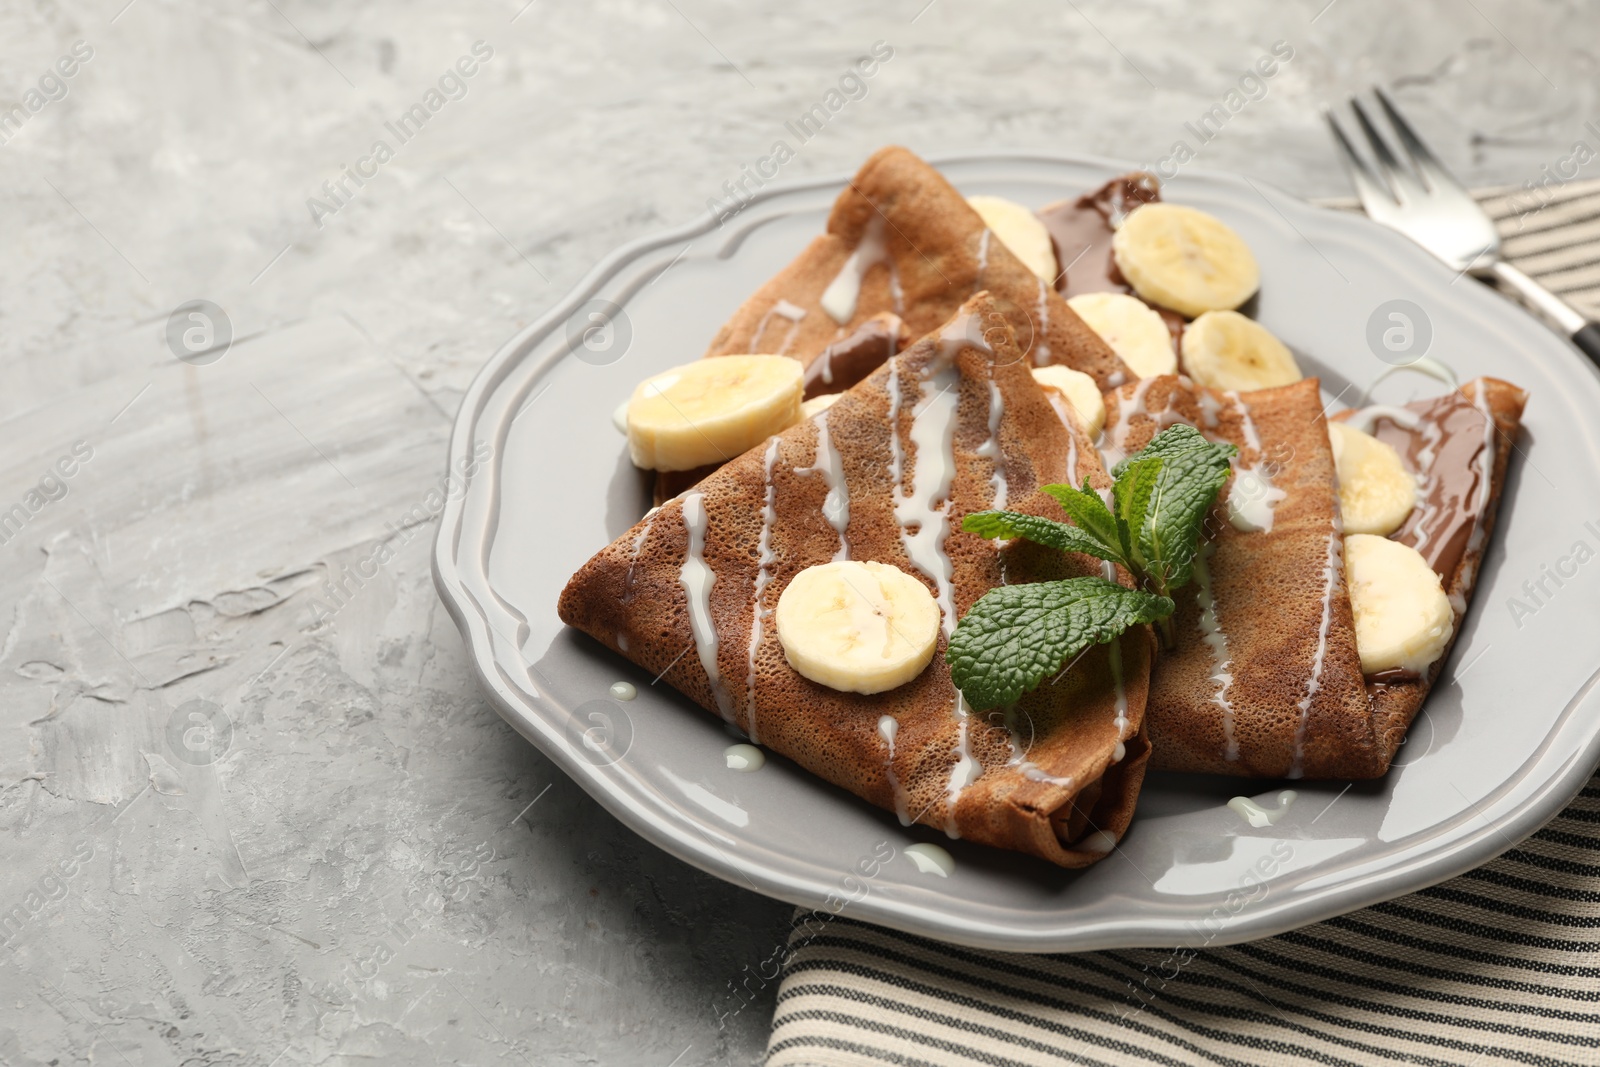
1019	230
1225	350
1079	390
1132	328
1184	259
711	410
818	404
1376	492
857	627
1403	618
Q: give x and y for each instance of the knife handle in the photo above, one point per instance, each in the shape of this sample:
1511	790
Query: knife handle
1584	334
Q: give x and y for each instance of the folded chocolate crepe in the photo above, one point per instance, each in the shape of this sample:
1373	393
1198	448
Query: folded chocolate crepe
1266	679
953	425
903	250
1458	445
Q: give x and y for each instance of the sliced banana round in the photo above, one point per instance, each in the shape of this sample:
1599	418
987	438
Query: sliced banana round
1376	492
1184	259
1135	332
818	404
859	627
1403	618
1079	390
1020	230
1225	350
711	410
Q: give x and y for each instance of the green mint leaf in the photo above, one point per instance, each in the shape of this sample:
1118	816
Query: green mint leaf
1016	636
1131	494
1192	470
1088	509
1057	535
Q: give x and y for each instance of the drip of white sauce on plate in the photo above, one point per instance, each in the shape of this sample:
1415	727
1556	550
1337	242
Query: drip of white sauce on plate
1330	580
1099	841
619	417
697	578
931	859
623	691
840	298
758	610
1258	816
744	758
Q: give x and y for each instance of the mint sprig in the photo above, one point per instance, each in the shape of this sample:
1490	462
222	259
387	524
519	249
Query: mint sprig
1016	635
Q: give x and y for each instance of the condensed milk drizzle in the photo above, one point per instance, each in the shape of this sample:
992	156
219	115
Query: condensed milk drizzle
697	578
844	292
1332	569
758	609
784	310
836	505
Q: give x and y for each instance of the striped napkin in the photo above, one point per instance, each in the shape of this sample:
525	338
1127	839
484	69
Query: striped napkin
1498	966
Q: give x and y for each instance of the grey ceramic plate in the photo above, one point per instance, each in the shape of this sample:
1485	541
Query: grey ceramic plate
1509	735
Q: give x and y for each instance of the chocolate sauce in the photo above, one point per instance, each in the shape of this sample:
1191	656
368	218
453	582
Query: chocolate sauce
850	359
1082	230
1446	449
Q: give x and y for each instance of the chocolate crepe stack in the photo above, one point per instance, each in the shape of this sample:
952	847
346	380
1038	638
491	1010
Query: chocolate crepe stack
1266	679
953	425
902	252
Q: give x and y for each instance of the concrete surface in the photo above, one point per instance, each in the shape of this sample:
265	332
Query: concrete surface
243	824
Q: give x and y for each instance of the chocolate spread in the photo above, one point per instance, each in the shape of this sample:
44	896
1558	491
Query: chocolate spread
1447	450
851	358
1082	230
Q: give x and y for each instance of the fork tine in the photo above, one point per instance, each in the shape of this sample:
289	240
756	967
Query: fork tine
1433	172
1375	197
1401	179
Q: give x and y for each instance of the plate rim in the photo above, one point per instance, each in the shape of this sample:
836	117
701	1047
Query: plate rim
1468	849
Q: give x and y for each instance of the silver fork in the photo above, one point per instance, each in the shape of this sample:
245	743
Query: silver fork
1418	197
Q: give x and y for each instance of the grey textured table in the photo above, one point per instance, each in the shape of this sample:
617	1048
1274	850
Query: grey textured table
255	810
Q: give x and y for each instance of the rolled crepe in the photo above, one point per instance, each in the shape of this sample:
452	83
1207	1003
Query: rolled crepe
1058	777
1458	445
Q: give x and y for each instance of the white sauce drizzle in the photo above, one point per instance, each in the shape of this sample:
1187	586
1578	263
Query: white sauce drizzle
1041	348
930	859
1331	571
844	292
1258	816
1253	498
1211	633
1115	450
923	514
888	729
697	578
1480	531
758	610
1109	571
983	258
1019	760
785	310
991	449
836	505
638	546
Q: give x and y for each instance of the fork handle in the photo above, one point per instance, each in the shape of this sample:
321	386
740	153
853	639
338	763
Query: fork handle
1584	334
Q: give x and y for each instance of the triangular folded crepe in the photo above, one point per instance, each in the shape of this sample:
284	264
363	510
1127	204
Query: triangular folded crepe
902	252
1451	442
1265	680
953	425
902	239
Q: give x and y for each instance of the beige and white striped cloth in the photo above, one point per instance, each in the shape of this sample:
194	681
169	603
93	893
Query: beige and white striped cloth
1498	966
